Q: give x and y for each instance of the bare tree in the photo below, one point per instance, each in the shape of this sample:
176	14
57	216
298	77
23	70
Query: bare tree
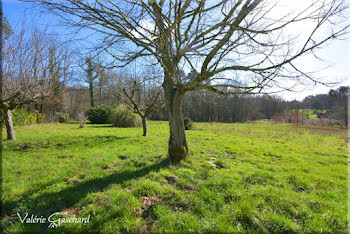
141	94
26	72
235	46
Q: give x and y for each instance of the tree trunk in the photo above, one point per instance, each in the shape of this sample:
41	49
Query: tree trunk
178	148
144	126
100	94
9	125
91	89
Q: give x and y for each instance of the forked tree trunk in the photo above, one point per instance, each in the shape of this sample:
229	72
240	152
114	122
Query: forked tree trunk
144	126
9	125
178	148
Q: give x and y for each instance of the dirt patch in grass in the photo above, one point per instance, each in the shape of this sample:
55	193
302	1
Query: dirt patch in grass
146	211
122	157
149	202
172	179
73	180
111	168
71	212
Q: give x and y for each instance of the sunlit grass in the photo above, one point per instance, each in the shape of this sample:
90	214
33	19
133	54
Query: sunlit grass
248	177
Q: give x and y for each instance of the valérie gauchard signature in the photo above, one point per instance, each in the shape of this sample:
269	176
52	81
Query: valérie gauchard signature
54	219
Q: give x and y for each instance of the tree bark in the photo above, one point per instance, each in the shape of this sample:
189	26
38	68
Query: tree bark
91	89
144	126
9	125
100	94
177	148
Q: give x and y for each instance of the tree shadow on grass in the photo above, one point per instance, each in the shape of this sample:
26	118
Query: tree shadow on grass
100	126
49	203
63	143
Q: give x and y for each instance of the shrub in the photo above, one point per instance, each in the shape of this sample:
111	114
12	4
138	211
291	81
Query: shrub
63	117
19	116
123	117
32	118
98	115
40	118
188	124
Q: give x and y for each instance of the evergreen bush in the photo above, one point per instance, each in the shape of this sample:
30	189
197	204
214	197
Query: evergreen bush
98	114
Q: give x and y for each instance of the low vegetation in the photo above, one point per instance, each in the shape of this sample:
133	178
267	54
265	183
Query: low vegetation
62	117
124	117
22	117
188	124
98	114
256	176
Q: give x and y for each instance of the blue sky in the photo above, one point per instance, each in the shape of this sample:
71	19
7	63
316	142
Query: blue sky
18	12
336	53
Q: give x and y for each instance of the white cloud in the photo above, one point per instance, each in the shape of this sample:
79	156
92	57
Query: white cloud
144	30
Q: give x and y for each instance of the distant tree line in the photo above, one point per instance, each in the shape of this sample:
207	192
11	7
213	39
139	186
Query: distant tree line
205	106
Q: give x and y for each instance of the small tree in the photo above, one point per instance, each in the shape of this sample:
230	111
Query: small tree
141	95
82	119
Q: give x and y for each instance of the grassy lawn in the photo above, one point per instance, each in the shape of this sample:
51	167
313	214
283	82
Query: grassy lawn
312	113
238	178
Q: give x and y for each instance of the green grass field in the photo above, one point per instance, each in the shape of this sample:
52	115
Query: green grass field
240	177
309	113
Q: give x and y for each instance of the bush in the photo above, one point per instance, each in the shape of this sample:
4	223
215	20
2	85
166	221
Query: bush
40	118
35	117
63	117
123	117
188	124
98	115
19	116
31	119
